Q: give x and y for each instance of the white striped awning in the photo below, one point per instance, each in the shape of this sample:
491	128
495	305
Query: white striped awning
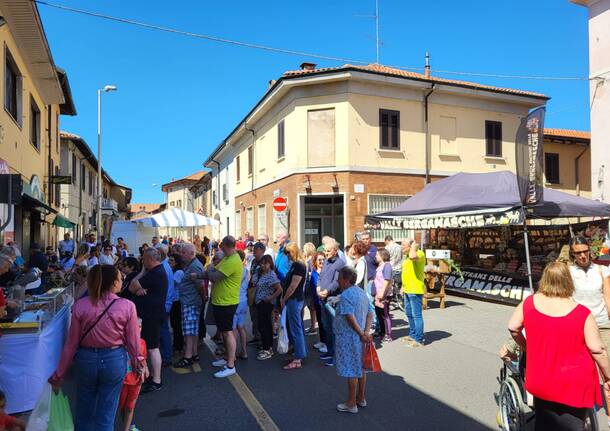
176	217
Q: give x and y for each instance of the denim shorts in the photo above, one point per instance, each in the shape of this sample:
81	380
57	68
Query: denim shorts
239	319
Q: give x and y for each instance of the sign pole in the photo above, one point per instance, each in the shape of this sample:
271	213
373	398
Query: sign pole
527	254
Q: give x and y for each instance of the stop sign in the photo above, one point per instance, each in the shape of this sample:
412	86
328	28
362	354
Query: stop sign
280	204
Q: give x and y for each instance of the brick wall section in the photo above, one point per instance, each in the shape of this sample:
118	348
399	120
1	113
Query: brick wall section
323	183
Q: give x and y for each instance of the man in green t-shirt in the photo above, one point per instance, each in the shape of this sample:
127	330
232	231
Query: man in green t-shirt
226	280
413	288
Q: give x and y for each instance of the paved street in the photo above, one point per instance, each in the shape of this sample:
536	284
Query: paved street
447	385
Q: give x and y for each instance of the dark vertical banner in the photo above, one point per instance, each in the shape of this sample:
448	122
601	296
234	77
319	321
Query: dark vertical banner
530	156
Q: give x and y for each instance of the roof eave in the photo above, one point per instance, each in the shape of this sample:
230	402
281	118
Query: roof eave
33	47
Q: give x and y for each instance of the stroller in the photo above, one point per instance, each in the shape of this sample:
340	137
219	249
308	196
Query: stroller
516	411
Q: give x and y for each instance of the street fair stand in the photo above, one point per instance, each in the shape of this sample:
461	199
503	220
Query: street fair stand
479	217
31	344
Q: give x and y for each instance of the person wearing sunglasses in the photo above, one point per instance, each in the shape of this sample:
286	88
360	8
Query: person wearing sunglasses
591	289
108	257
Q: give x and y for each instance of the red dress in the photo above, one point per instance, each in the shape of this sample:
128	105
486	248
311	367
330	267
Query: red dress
559	367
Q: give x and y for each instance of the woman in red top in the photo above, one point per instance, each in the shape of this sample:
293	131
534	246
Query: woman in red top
102	327
562	344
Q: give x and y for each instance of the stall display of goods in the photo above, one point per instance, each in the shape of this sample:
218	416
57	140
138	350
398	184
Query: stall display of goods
35	311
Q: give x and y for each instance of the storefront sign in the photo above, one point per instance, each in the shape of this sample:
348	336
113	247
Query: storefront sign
61	179
502	218
488	284
33	189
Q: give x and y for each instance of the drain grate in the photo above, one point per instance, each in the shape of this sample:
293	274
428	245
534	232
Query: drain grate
170	413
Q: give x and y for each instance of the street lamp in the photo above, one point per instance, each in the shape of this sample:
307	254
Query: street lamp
98	221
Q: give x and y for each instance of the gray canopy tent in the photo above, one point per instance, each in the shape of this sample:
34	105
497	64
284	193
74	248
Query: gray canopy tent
483	200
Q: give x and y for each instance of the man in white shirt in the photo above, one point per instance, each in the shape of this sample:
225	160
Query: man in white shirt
66	246
264	239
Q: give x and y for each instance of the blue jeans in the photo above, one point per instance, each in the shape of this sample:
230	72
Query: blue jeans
99	378
328	319
165	342
369	294
413	310
295	327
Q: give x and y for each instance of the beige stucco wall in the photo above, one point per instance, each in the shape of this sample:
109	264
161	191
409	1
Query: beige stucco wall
567	167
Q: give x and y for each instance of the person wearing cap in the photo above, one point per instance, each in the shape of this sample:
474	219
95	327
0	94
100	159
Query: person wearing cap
258	251
264	239
37	258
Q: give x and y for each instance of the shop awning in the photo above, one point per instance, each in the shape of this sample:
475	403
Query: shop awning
35	203
62	221
468	200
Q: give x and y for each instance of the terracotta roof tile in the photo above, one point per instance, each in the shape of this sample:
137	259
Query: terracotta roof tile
567	133
378	68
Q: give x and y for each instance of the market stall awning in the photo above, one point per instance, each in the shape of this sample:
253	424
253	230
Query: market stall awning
468	200
62	221
176	217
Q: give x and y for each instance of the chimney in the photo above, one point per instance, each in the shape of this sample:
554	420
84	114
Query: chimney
308	66
427	67
271	83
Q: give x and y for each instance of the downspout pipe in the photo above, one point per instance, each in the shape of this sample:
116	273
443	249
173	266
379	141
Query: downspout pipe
427	133
577	170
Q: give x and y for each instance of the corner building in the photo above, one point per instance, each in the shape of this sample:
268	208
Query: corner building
340	143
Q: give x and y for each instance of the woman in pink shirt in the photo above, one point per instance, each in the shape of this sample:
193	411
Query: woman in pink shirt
103	330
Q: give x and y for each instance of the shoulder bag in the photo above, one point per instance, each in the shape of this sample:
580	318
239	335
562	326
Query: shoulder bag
82	337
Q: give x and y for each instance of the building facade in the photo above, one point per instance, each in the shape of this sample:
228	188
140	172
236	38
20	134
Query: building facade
189	194
35	93
340	143
79	197
567	161
599	94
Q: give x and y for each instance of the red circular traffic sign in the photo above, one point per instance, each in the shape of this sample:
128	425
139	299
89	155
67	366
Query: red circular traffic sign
280	204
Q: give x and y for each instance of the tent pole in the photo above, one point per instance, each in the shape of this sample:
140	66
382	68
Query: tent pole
527	255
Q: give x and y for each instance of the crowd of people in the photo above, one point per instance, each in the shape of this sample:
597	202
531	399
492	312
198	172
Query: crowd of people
133	316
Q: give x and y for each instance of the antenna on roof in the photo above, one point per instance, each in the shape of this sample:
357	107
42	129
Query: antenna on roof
376	18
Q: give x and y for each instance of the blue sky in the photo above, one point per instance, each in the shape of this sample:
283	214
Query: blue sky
178	97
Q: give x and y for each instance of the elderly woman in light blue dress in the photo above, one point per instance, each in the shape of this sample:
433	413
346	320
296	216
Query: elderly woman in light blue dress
352	325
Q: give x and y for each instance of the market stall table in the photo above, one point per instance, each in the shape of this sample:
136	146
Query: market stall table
28	359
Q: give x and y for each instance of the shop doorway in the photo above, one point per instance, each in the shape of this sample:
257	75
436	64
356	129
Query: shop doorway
322	215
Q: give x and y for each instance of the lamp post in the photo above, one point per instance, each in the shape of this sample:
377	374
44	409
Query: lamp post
98	221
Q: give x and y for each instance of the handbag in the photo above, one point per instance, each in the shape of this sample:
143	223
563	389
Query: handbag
282	337
82	337
370	359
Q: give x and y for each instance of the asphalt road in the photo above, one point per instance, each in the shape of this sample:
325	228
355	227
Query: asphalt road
447	385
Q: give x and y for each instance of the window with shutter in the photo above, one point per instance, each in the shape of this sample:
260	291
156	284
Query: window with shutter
551	168
250	160
237	168
389	129
280	140
493	138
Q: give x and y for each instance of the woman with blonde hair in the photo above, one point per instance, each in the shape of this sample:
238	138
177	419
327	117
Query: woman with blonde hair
563	346
309	252
292	299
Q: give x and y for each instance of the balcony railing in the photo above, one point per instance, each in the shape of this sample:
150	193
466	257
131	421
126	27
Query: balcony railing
109	204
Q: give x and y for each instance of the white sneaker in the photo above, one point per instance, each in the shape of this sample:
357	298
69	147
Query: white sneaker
323	349
318	345
344	408
219	362
225	372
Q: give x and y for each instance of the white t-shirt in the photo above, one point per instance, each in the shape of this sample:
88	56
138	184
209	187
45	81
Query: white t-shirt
588	290
92	261
243	288
106	260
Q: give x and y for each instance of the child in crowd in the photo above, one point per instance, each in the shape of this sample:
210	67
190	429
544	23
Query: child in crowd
131	388
9	423
239	320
